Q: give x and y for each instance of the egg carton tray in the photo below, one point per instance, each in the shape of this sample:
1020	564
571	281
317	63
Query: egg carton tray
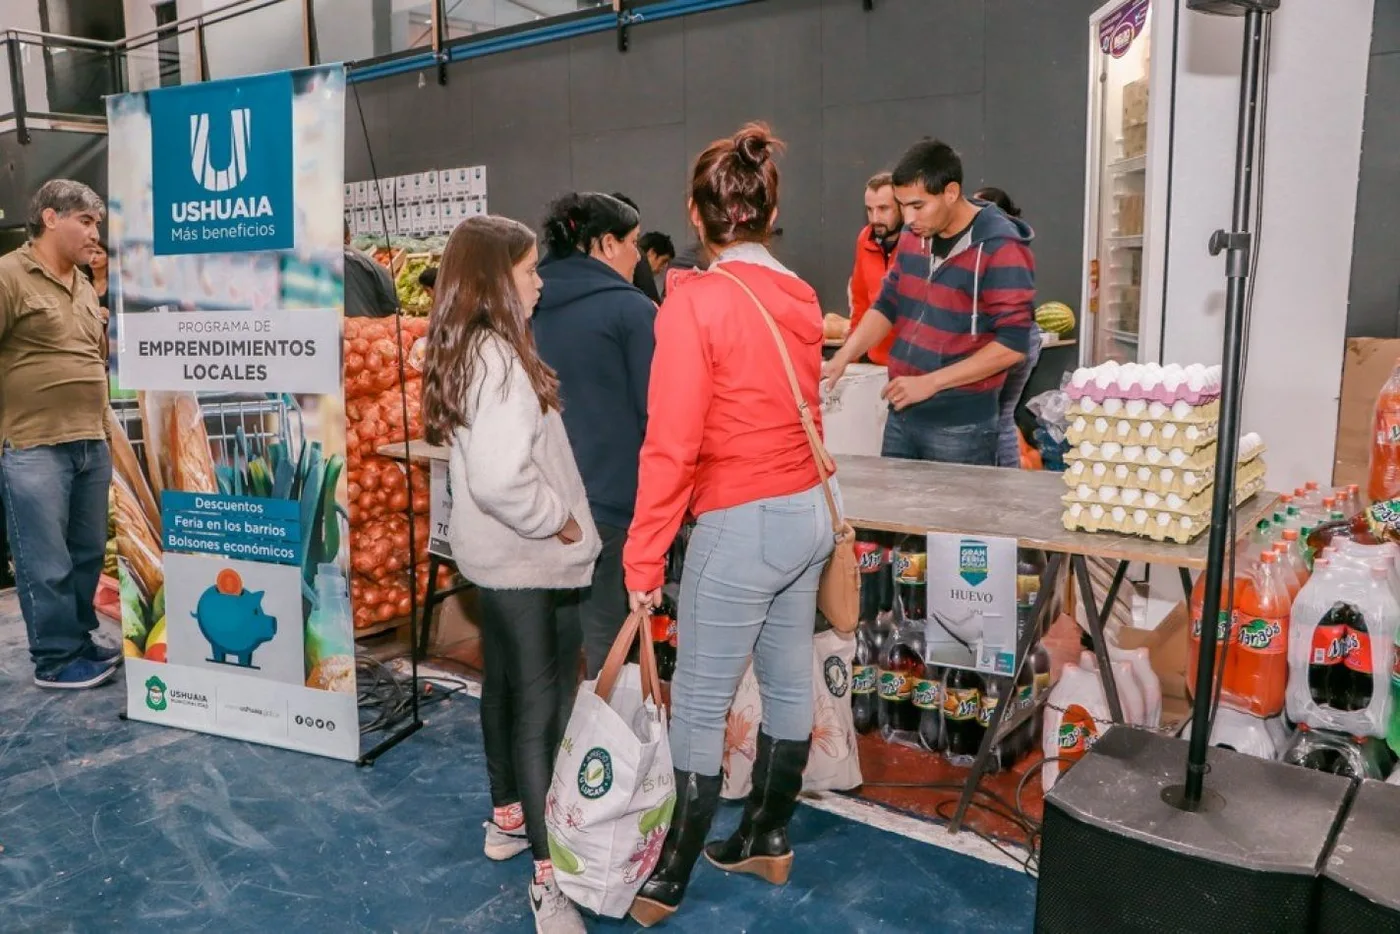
1163	435
1194	384
1195	503
1142	410
1160	480
1111	452
1144	523
1182	393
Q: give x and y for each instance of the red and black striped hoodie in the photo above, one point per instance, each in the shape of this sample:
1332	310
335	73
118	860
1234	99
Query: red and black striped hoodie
944	312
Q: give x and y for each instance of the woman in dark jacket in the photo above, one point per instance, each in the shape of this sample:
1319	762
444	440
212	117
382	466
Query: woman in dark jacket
596	330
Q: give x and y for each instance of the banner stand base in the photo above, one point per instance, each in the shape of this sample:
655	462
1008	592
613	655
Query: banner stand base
368	759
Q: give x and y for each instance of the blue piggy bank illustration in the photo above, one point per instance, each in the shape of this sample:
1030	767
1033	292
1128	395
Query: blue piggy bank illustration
234	623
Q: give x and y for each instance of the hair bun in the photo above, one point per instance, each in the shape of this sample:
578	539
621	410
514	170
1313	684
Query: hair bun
755	144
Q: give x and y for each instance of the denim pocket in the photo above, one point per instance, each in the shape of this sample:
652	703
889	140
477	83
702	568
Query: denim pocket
787	536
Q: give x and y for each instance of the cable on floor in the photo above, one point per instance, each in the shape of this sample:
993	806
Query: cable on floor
386	698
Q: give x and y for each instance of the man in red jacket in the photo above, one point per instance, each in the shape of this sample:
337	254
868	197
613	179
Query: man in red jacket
874	253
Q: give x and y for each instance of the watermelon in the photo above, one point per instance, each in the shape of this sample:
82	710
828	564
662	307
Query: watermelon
1055	317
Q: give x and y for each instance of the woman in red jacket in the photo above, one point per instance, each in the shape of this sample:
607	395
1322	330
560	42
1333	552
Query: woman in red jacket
725	444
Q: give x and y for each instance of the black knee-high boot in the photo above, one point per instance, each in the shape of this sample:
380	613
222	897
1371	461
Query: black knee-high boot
697	796
760	845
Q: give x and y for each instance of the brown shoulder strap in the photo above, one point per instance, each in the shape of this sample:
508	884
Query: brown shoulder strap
825	465
633	630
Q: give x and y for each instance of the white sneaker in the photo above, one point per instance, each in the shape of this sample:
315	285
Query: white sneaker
554	913
504	844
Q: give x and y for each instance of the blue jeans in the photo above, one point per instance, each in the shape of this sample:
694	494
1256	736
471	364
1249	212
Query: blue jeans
1008	444
916	437
56	510
749	589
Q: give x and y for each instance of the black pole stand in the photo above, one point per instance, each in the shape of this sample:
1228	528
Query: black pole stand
416	723
1237	246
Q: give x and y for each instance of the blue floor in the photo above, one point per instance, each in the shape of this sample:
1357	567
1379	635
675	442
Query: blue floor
114	826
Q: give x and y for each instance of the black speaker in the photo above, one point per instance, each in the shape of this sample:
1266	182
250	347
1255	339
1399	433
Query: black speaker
1117	858
1360	889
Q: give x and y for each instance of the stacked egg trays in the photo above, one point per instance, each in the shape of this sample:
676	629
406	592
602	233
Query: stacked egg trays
1143	445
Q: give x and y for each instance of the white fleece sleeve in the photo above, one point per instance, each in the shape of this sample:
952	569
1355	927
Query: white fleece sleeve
502	476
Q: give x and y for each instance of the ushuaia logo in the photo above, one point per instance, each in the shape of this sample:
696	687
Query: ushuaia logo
201	163
221	158
155	694
220	180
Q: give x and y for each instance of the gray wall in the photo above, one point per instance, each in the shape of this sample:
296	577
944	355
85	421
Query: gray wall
1002	80
49	154
1375	262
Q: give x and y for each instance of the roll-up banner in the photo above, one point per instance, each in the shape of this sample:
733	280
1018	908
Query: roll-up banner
226	206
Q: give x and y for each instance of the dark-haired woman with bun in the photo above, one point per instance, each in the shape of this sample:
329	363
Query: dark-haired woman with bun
725	444
1008	439
520	528
596	330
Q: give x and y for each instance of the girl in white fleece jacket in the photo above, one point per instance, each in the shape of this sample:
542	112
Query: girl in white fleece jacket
520	527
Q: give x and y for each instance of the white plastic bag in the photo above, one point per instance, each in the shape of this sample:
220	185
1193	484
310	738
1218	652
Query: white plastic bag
1242	732
834	762
613	789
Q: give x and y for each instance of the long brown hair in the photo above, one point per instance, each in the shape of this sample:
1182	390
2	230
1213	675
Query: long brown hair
475	298
734	186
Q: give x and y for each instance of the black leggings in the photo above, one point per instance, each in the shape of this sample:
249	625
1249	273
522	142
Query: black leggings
531	642
603	606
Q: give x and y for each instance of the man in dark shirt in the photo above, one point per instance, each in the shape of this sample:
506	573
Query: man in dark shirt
369	292
658	251
958	299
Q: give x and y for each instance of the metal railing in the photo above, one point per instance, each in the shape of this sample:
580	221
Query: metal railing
59	82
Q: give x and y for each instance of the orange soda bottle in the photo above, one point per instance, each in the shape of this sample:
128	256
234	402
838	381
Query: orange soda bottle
1258	672
1293	555
1224	630
1286	571
1384	479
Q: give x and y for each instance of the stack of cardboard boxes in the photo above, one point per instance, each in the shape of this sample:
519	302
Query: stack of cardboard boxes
1135	119
423	204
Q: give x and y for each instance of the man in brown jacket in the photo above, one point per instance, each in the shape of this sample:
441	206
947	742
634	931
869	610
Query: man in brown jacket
53	438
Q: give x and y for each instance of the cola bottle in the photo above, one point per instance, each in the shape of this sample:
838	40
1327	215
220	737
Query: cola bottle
1040	669
928	698
911	582
986	706
901	664
1357	664
962	700
663	638
675	556
1326	675
864	677
1030	567
1022	739
873	561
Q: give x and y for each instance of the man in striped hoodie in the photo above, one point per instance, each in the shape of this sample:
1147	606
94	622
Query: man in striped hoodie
958	299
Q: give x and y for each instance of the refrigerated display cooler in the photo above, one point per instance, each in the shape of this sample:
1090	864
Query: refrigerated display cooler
1121	262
